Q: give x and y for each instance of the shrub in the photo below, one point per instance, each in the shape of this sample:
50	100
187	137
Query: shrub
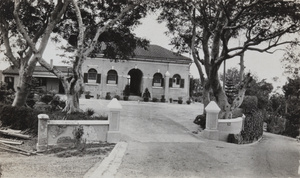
180	101
163	99
235	138
89	111
201	120
74	116
117	97
126	98
154	99
20	118
126	91
108	97
253	127
6	96
46	98
249	104
293	118
146	95
188	102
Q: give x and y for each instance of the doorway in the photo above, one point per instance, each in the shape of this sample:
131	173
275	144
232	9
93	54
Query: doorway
136	76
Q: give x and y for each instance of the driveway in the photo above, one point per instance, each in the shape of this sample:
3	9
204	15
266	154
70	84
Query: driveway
153	122
157	142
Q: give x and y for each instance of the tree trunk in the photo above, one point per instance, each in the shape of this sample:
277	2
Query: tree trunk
72	103
73	93
23	88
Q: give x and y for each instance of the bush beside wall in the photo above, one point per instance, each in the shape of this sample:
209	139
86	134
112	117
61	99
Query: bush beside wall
253	127
20	118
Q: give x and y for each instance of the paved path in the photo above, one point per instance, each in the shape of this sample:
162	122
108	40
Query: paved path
159	143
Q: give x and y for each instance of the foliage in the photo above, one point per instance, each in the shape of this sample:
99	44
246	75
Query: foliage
180	101
6	96
20	118
291	61
108	97
260	89
117	97
188	101
163	99
201	120
146	95
154	99
46	99
89	111
249	104
292	88
126	91
209	30
25	29
293	118
253	127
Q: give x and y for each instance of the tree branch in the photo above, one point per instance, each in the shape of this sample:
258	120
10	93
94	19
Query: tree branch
105	27
21	28
4	34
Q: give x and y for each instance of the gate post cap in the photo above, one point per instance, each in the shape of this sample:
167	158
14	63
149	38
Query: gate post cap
114	104
212	107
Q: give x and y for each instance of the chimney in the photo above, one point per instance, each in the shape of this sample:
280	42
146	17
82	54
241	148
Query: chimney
51	63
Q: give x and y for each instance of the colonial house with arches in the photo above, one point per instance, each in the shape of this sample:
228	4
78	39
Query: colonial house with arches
158	69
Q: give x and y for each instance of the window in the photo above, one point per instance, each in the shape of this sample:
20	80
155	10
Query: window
92	76
112	77
158	80
176	81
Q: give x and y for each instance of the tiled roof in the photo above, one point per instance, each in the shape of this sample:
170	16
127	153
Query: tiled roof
11	70
159	54
38	71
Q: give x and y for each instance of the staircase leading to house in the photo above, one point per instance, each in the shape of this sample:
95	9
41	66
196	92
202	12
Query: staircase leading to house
135	98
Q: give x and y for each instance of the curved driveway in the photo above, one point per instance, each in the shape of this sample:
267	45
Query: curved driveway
160	144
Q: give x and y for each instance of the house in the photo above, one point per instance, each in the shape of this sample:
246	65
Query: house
158	69
44	79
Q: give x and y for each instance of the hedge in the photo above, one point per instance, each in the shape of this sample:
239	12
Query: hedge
20	118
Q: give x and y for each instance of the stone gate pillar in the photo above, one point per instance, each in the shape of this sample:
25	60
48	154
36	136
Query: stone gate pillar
42	142
166	92
113	134
211	128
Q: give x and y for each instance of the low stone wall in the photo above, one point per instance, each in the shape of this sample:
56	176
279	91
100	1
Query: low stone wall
62	132
219	129
229	126
52	133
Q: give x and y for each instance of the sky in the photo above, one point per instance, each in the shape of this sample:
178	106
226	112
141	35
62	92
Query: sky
264	65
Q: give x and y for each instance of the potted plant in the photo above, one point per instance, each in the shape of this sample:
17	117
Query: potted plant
188	101
108	97
126	92
180	101
163	99
146	95
87	95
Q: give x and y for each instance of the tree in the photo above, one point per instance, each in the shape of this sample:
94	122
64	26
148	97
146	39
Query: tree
213	28
89	27
292	88
25	28
291	60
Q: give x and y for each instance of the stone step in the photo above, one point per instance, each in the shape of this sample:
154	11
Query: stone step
135	98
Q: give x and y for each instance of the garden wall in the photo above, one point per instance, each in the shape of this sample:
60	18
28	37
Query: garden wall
230	126
63	133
